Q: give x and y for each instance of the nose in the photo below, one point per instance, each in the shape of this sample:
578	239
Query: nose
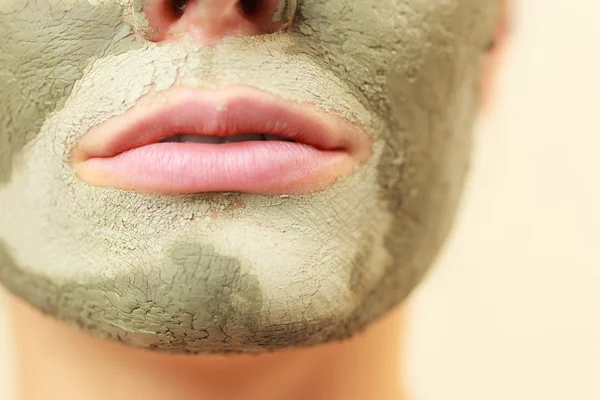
208	21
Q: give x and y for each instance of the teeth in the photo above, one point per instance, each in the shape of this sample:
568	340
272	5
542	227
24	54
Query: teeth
172	139
242	138
225	139
200	139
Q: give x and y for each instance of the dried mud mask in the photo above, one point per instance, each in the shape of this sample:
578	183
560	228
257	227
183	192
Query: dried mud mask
221	272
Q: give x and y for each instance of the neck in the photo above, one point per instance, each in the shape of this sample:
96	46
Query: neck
57	362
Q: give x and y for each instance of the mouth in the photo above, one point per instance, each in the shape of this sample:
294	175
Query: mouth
240	139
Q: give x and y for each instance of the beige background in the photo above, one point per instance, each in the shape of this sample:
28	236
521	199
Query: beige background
512	310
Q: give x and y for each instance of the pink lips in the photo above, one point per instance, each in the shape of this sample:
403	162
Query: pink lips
126	151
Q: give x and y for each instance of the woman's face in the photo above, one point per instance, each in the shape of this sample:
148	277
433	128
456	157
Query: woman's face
110	223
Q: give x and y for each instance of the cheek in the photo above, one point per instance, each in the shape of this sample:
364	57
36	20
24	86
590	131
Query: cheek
433	98
45	48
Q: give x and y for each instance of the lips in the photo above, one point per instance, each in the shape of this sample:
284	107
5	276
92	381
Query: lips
186	140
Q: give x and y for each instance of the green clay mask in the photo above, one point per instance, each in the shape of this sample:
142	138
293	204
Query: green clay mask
234	272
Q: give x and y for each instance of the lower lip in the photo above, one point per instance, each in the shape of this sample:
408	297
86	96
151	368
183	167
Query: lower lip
268	167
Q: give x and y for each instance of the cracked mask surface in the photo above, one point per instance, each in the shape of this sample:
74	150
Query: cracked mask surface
234	272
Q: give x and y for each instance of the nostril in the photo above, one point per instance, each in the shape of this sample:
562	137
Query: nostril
209	20
274	12
177	7
250	7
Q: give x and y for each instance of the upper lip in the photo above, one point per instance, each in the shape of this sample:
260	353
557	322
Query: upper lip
232	111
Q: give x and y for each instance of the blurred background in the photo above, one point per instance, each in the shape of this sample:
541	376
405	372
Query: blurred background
512	308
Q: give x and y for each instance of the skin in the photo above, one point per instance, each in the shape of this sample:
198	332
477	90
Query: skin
219	273
83	367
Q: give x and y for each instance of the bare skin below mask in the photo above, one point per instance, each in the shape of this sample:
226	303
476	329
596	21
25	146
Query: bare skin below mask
235	272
